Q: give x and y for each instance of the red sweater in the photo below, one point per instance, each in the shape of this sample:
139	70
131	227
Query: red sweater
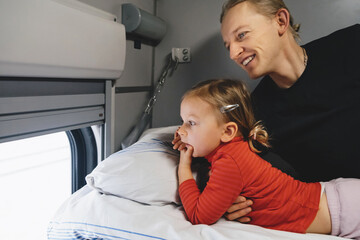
280	202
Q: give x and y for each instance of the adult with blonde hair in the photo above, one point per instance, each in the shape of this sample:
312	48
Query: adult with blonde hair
308	98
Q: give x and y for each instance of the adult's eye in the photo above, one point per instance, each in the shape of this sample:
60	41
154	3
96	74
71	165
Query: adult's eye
241	35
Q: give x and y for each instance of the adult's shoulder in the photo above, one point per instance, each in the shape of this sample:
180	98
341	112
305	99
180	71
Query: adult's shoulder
346	36
350	30
342	44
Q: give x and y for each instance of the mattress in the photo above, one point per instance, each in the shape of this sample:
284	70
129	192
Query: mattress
133	195
88	214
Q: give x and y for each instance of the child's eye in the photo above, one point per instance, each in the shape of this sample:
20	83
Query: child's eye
191	123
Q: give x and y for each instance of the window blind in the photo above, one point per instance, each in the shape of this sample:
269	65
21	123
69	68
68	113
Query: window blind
36	106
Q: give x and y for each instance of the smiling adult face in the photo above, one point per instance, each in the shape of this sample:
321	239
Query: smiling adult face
252	38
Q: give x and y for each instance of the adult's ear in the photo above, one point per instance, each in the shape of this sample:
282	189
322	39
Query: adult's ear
282	18
230	131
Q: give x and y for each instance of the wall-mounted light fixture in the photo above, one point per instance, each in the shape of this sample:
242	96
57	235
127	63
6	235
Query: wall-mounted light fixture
141	26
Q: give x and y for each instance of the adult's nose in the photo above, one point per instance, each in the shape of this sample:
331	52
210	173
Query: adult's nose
235	51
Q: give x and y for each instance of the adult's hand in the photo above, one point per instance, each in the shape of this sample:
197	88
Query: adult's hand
239	210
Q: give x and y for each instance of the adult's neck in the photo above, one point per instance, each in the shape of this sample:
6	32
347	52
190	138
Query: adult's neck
290	65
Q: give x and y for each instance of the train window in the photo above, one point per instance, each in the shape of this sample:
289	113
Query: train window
38	174
35	178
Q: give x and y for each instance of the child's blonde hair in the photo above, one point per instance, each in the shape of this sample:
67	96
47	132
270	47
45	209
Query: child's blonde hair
220	93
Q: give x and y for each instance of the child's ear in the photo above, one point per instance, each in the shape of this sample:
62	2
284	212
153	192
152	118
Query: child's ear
230	131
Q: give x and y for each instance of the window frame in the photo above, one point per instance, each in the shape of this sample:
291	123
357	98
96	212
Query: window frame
84	155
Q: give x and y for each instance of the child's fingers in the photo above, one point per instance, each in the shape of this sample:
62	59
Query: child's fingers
176	145
189	150
182	146
176	138
176	134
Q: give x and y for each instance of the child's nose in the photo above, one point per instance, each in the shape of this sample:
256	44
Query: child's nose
181	131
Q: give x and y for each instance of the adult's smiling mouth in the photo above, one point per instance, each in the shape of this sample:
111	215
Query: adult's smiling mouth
247	60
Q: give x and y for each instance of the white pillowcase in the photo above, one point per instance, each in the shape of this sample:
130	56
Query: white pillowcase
145	172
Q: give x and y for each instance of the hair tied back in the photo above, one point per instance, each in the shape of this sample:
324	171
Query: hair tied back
259	134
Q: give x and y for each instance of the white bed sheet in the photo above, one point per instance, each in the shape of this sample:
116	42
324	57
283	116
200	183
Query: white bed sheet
88	214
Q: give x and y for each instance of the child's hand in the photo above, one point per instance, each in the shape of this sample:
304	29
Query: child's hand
184	170
178	144
186	155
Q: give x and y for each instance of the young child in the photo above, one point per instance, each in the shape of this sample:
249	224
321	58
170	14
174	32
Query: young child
219	124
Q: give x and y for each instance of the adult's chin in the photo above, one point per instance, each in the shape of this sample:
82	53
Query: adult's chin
255	75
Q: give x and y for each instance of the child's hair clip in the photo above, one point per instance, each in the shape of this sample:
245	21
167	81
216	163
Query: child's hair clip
229	108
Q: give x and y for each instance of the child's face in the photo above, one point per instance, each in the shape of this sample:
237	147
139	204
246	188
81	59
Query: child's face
201	128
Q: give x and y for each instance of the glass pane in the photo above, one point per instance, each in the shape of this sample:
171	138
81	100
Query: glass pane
35	178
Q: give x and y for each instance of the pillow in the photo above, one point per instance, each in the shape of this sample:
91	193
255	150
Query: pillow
145	172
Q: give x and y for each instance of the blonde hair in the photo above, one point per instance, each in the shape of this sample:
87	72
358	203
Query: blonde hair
266	7
223	92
